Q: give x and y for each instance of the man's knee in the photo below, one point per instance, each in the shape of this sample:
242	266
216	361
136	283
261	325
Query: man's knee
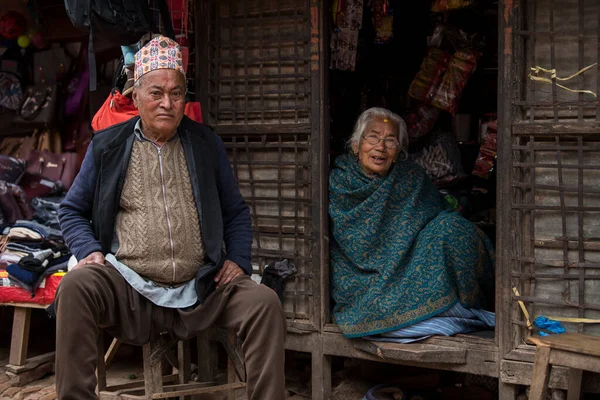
265	297
76	282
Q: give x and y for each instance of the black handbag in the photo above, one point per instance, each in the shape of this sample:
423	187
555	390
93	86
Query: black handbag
11	169
39	105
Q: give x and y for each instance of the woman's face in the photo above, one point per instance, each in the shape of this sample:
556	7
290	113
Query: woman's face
378	158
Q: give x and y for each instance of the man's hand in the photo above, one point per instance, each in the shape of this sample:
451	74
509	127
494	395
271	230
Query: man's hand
229	272
94	258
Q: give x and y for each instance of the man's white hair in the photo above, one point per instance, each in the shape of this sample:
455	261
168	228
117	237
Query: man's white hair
380	113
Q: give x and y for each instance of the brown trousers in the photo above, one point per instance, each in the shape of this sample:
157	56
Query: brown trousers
96	297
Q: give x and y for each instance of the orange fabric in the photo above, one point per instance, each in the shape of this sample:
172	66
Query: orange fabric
118	108
194	111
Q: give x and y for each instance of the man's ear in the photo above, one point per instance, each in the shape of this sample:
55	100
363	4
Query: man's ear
134	97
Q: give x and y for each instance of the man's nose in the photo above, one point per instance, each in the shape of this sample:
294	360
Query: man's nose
166	101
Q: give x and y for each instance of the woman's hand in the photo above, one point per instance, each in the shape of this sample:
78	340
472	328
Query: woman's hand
94	258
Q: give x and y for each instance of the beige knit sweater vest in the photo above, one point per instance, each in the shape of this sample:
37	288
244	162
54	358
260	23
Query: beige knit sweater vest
157	224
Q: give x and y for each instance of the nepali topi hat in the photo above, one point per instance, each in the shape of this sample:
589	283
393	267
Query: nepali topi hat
159	53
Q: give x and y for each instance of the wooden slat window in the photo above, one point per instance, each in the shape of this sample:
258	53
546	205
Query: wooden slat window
554	231
260	77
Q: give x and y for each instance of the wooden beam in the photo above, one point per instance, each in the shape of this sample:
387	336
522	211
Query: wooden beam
413	352
550	129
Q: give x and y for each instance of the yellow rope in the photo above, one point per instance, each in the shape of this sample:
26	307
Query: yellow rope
522	305
537	70
576	320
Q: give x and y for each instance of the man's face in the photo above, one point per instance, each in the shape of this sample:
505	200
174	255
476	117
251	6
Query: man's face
160	99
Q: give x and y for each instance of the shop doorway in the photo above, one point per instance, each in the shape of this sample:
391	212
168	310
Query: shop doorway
436	67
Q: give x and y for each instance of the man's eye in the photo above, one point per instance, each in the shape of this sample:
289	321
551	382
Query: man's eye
155	93
176	94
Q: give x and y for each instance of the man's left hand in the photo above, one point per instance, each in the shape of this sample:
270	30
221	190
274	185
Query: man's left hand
229	272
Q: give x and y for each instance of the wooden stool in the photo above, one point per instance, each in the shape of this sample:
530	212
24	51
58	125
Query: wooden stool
576	351
155	385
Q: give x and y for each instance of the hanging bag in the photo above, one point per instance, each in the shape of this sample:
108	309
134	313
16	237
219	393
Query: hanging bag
117	22
77	87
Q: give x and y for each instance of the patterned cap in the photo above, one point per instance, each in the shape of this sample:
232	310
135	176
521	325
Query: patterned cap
159	53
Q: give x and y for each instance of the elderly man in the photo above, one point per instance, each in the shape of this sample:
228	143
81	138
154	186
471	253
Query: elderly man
162	200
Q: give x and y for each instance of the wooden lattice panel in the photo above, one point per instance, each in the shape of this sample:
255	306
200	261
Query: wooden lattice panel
553	236
260	77
259	69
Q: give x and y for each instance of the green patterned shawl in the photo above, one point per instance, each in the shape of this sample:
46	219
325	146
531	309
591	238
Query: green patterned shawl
399	255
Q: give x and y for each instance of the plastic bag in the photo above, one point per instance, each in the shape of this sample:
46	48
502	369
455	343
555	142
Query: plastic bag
441	159
443	77
421	121
461	67
548	324
429	77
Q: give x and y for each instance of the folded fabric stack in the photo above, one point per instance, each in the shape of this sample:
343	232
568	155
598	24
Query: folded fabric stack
31	252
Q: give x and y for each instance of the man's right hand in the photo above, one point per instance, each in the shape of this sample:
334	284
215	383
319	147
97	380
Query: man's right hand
94	258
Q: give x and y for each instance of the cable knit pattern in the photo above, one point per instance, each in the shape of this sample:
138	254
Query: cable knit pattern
147	214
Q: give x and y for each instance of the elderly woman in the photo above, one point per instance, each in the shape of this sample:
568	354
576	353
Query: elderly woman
400	254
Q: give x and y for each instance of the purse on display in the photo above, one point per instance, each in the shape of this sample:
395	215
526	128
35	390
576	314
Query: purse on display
49	140
39	105
36	186
50	66
53	166
21	199
9	205
11	169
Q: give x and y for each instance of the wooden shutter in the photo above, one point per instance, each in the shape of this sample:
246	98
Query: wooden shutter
260	92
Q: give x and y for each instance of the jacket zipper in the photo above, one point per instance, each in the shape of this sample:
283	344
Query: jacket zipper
164	193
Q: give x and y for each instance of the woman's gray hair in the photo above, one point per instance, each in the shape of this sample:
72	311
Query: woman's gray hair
383	113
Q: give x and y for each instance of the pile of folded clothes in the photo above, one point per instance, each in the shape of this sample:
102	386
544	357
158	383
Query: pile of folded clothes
31	253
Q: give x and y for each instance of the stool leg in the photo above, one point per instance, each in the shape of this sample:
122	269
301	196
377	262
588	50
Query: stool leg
207	358
541	372
574	389
152	369
183	358
101	366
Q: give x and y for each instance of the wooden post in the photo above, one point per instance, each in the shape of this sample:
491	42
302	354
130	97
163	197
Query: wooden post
206	358
20	336
152	368
101	362
574	388
320	374
183	358
541	372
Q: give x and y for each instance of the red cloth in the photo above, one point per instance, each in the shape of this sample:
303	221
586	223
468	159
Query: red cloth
44	295
118	108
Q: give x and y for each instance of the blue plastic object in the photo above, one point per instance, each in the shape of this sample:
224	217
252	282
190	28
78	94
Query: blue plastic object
549	325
